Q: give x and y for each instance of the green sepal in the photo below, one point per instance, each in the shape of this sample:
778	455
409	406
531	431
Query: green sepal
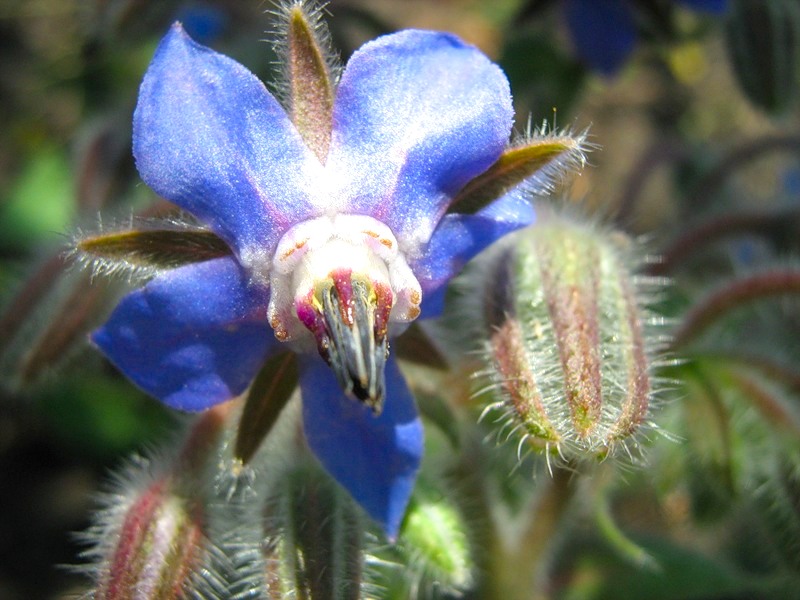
266	398
770	399
544	155
310	84
328	537
151	249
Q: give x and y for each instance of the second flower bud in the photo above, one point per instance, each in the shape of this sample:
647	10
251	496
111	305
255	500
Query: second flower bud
567	337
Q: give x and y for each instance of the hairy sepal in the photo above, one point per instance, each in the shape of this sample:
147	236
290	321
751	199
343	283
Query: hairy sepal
535	162
309	73
148	250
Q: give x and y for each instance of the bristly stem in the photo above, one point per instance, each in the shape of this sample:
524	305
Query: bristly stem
772	406
673	151
770	367
718	228
740	156
28	297
74	317
661	152
521	572
775	282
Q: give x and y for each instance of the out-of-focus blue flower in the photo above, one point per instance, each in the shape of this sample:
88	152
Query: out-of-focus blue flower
203	22
331	257
604	31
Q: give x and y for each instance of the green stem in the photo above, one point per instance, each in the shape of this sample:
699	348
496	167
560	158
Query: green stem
518	571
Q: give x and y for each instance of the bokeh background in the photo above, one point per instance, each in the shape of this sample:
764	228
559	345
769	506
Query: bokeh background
695	123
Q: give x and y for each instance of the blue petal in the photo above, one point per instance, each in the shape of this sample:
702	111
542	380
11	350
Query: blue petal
603	31
710	6
460	237
417	115
208	136
375	458
193	337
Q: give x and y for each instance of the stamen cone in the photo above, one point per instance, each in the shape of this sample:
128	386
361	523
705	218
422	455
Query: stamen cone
348	316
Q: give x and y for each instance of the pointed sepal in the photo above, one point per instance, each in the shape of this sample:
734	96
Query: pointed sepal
535	161
148	250
266	398
309	77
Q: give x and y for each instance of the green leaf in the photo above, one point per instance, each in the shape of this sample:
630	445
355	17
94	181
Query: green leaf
769	283
103	418
684	574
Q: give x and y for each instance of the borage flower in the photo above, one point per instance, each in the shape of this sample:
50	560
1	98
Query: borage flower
329	227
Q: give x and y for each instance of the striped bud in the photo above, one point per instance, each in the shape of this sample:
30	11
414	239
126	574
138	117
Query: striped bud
313	546
763	39
151	539
567	343
160	545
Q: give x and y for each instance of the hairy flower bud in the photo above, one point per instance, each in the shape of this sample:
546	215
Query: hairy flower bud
434	545
314	538
159	547
763	39
150	541
567	342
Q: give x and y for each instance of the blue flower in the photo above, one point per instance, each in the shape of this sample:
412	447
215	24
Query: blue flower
333	252
604	31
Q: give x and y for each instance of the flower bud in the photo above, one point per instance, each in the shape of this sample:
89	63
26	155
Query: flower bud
314	538
763	37
160	544
434	547
567	340
150	541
